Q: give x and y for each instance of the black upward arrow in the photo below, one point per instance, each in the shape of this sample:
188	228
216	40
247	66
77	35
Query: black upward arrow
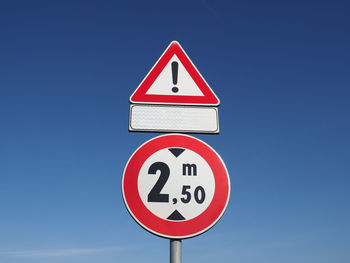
176	216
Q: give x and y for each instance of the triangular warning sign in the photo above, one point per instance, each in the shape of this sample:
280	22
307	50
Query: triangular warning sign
174	80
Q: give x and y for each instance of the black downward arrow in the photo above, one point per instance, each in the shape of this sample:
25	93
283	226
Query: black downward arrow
176	151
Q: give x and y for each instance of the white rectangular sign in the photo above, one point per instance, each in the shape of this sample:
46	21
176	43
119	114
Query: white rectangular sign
163	118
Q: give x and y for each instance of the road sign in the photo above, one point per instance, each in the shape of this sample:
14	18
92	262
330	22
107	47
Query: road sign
161	118
174	80
188	104
176	186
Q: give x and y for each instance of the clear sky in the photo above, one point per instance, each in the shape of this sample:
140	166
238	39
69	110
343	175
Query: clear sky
281	70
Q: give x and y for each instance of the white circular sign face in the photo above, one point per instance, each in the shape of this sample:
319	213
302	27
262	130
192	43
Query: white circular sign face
176	186
185	180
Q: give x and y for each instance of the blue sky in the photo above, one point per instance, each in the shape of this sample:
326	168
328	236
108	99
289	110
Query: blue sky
281	70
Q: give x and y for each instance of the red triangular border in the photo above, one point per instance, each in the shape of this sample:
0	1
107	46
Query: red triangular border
140	96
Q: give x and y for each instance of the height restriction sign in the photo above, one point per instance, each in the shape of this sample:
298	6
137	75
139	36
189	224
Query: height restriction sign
176	186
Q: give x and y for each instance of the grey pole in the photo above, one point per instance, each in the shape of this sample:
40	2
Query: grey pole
175	250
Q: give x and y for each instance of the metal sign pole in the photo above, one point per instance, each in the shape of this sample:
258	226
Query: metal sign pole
175	250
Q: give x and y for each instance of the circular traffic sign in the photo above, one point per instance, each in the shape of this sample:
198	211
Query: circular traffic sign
176	186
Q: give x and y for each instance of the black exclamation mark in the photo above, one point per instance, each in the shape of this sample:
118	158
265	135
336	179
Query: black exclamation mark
174	70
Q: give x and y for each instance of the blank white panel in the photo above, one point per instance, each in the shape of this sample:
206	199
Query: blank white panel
159	118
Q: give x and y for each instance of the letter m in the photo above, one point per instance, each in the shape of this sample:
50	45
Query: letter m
189	169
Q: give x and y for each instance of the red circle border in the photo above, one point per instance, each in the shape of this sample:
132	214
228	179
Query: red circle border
175	229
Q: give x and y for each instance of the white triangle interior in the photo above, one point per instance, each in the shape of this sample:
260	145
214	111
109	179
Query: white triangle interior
164	85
